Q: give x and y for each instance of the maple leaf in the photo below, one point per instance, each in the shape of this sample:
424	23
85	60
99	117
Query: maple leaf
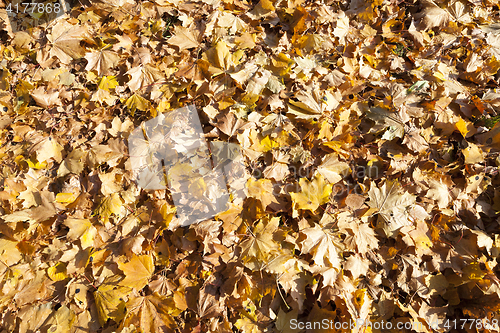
103	96
81	229
61	320
419	236
234	23
34	317
34	289
390	205
311	105
150	314
143	75
220	56
45	98
323	245
357	266
432	15
342	28
137	271
248	322
279	170
371	82
229	124
262	9
107	83
73	163
119	128
49	148
109	183
185	38
136	102
313	194
332	169
283	320
209	303
359	235
102	61
110	205
261	189
57	272
439	191
110	300
386	120
260	247
65	39
9	252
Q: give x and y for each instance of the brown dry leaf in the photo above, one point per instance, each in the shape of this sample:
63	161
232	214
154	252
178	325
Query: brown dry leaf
65	40
390	105
473	154
229	124
432	16
390	205
209	304
33	290
150	314
359	236
49	148
185	38
142	76
439	191
333	169
102	61
34	317
45	98
279	170
323	245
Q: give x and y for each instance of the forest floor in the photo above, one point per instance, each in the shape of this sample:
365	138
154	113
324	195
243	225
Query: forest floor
369	198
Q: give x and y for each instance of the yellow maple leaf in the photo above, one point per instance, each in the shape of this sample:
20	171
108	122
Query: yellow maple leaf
66	198
61	321
151	313
265	145
57	272
137	271
248	321
135	102
110	300
261	189
107	82
81	229
110	205
257	249
9	252
313	194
